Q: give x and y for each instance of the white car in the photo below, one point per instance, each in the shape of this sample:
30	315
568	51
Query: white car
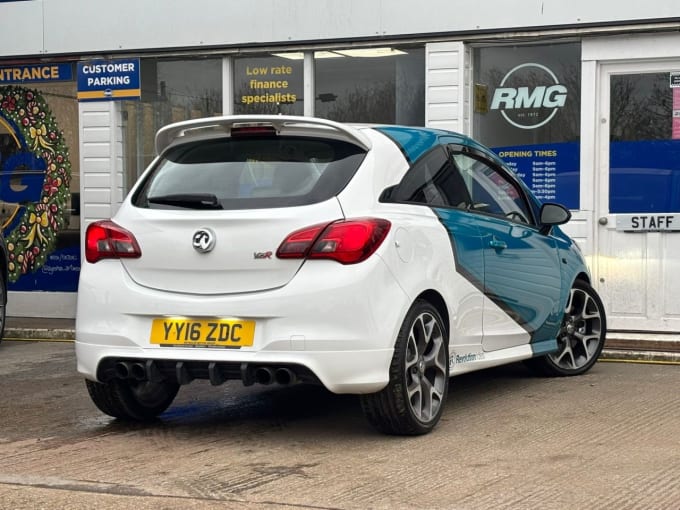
374	260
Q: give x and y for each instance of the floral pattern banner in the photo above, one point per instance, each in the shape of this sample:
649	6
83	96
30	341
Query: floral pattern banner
39	154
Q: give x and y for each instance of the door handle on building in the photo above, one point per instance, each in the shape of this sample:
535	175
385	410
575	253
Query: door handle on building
603	220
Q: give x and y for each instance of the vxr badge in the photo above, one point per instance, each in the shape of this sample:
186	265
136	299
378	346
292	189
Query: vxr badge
204	240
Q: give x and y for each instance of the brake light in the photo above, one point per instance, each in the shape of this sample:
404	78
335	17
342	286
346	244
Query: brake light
106	240
254	130
345	241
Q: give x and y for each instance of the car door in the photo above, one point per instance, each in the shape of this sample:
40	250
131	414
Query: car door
522	277
434	182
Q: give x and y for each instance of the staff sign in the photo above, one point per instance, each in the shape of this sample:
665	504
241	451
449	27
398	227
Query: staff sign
662	222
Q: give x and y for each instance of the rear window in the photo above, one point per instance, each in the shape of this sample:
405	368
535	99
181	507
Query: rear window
249	173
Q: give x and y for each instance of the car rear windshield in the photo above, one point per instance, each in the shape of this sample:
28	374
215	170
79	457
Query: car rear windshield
249	173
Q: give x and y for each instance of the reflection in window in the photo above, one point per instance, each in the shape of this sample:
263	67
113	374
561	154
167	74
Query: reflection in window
380	85
644	153
641	107
491	192
172	91
527	108
512	85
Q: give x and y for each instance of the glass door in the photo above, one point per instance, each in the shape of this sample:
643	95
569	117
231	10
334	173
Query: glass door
638	204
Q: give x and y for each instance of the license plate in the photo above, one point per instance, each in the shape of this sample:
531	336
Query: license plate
203	333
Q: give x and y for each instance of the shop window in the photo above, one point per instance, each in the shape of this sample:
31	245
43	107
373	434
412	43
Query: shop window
269	84
172	91
39	181
381	85
527	108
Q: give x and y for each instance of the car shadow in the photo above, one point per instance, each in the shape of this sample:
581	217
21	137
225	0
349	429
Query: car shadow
232	409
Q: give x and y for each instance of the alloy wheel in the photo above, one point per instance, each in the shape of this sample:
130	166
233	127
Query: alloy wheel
425	367
581	334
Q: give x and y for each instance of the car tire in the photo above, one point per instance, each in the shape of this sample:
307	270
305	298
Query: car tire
413	400
132	400
581	337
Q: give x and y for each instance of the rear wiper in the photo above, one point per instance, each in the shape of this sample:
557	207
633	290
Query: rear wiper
188	200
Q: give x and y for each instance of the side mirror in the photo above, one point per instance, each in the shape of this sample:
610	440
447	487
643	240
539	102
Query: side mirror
553	214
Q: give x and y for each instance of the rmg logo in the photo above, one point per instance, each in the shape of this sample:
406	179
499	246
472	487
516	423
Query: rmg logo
515	99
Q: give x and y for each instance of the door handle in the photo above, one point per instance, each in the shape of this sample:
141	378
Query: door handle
603	220
497	244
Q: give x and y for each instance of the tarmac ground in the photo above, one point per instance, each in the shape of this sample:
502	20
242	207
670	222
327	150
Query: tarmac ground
609	439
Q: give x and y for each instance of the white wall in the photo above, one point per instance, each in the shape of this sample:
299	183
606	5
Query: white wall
101	168
447	86
41	27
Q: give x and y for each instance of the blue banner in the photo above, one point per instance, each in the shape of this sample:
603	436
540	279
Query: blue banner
644	176
550	170
59	274
35	73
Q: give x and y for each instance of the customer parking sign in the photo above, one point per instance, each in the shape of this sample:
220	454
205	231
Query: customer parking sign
108	80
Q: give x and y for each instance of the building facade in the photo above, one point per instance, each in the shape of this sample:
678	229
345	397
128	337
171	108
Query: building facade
581	99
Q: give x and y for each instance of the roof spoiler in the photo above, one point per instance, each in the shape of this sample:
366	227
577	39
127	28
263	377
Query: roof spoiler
287	124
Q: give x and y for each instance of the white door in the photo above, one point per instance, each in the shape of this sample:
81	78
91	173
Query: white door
637	207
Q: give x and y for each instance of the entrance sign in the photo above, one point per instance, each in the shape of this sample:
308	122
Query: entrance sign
107	80
648	222
35	73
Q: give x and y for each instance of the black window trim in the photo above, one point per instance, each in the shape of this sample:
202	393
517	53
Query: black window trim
508	175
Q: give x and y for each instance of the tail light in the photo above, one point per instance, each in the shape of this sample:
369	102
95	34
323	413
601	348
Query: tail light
346	241
106	240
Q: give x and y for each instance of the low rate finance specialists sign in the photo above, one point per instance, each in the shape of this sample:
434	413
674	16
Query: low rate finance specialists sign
107	80
268	84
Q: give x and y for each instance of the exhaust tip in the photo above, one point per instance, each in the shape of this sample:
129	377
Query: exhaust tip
285	376
138	371
122	370
264	375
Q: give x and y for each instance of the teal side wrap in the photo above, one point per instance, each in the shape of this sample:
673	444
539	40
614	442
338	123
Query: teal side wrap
413	142
524	279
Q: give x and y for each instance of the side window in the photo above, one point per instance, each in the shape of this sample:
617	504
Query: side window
491	191
435	181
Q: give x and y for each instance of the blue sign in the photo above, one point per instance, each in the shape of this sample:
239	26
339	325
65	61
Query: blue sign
59	274
35	73
644	176
108	80
550	170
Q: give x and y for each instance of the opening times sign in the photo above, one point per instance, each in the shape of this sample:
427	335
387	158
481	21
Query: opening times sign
551	170
108	80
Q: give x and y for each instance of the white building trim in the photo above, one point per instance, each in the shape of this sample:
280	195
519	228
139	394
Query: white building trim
447	86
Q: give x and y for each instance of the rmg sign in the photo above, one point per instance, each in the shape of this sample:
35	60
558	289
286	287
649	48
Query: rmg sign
524	107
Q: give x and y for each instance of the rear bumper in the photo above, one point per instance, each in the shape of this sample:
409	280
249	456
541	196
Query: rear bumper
335	324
